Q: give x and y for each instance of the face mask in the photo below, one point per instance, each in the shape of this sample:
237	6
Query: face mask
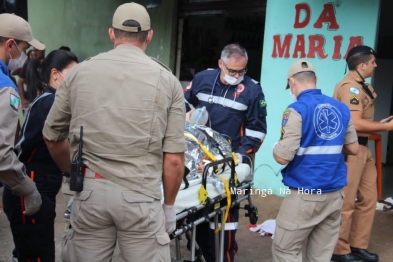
232	80
58	84
17	63
292	94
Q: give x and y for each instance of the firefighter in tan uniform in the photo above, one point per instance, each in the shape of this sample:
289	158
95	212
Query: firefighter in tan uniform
357	215
15	37
132	112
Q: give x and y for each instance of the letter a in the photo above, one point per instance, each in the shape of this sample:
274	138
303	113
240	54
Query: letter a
327	16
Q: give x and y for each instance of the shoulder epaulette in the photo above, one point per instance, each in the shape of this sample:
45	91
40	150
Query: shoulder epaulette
164	66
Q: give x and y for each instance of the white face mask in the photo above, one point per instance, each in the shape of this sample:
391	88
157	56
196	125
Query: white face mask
17	63
233	80
292	94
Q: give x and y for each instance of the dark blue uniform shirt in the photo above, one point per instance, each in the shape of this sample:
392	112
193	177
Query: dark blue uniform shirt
235	111
31	148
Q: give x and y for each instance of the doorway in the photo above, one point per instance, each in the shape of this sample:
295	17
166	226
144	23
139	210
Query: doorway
206	26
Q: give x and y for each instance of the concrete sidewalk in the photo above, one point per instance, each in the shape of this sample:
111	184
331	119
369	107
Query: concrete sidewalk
252	247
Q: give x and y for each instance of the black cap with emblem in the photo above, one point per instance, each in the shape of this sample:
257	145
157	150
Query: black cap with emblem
357	50
361	49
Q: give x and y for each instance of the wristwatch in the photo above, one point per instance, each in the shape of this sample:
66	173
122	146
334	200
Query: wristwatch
66	174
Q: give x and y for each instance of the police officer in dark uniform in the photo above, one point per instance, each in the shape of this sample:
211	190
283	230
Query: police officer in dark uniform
237	109
357	216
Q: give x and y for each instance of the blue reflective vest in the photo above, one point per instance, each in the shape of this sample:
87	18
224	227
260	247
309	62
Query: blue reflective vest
319	162
5	80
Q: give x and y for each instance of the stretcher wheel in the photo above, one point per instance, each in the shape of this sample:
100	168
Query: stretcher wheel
252	214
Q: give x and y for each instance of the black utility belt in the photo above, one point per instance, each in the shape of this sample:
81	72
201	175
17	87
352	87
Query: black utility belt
363	140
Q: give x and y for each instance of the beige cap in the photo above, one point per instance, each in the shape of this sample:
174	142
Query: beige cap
13	26
299	66
131	11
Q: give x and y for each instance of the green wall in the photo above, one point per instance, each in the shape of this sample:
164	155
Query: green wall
83	26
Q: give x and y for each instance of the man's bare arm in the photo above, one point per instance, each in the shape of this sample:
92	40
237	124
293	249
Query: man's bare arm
351	149
173	171
366	126
60	152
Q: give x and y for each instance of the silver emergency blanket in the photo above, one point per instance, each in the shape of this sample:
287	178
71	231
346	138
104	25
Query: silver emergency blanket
216	144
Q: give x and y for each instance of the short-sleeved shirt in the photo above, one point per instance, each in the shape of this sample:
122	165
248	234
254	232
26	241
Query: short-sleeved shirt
351	92
132	111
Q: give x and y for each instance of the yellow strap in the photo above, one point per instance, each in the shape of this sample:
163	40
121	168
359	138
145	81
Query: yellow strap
235	158
202	195
204	149
228	202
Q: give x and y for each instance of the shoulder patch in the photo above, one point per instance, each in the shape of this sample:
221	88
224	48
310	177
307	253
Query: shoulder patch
14	102
285	117
164	66
354	90
262	103
282	133
354	100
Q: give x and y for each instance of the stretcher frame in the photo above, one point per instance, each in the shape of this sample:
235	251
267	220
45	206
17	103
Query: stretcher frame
187	219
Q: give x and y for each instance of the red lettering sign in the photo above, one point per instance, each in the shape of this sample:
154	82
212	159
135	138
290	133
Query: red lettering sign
317	42
299	47
337	46
281	49
328	15
299	8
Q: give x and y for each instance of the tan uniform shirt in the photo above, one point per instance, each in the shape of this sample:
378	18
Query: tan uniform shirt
12	171
291	134
350	92
131	109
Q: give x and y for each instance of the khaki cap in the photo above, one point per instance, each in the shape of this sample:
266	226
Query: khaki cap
299	66
131	11
13	26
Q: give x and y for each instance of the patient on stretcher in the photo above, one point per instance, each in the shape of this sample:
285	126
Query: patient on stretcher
204	145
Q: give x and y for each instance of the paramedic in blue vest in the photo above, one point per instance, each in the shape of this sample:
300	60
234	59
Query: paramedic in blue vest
316	133
34	236
237	110
15	38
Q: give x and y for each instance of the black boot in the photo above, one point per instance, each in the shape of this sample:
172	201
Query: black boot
364	254
346	258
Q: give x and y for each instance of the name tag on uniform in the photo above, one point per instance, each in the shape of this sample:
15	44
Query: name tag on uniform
14	102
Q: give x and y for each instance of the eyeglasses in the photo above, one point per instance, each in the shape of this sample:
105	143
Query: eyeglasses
232	72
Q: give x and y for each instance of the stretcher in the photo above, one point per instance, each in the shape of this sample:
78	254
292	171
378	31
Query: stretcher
209	195
201	202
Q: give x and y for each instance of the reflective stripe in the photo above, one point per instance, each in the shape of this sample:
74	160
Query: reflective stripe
223	101
23	131
256	134
227	226
319	150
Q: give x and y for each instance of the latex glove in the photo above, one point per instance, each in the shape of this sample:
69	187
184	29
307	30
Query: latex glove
32	197
239	158
32	203
170	218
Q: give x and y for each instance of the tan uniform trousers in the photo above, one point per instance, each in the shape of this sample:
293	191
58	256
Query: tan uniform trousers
357	217
104	213
312	218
